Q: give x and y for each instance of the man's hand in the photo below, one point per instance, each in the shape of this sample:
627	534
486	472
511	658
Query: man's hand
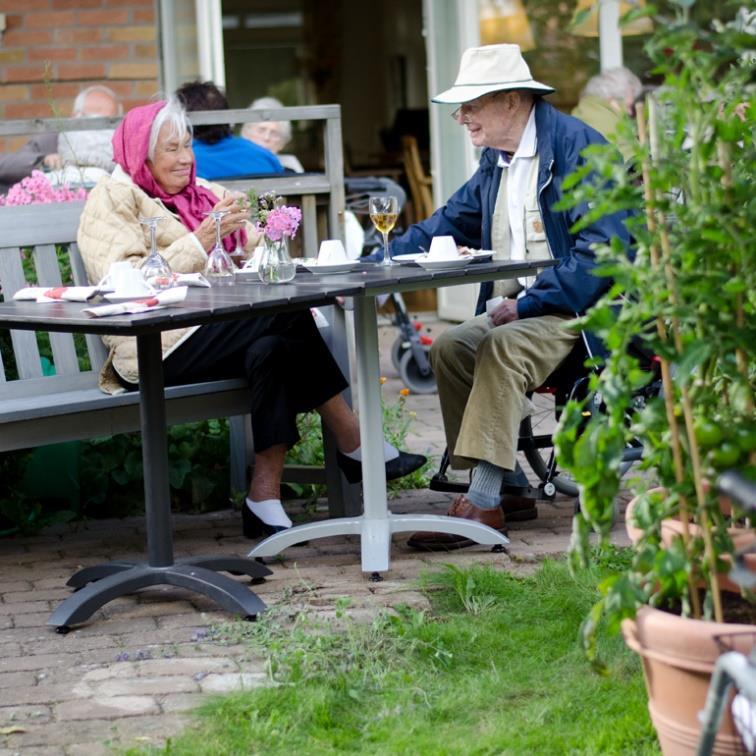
506	312
52	161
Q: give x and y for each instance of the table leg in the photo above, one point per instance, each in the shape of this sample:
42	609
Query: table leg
102	583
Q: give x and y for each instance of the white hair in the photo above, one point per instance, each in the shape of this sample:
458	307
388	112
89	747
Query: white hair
261	103
174	114
81	99
614	84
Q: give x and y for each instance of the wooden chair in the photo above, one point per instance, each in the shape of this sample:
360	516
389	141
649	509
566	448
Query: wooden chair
420	185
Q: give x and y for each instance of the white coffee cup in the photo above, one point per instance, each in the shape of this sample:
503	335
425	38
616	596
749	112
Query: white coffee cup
331	252
443	248
126	280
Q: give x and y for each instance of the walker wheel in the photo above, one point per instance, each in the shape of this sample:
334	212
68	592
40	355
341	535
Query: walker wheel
398	348
549	489
411	376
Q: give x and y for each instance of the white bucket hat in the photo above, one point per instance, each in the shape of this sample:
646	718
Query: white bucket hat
491	68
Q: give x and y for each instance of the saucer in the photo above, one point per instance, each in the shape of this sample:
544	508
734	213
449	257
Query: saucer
410	259
457	262
324	270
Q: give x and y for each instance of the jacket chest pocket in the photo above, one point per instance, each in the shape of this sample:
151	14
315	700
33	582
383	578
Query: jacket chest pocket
535	236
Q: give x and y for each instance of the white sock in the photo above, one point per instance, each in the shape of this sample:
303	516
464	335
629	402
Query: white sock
270	511
389	452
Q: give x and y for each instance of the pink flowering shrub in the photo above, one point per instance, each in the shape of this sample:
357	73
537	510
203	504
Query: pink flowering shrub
37	190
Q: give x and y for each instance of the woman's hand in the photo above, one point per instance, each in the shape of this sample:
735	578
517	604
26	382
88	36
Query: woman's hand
231	221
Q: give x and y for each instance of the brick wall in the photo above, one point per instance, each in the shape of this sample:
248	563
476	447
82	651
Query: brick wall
51	49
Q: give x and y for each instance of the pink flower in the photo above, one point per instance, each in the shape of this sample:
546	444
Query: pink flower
37	190
281	221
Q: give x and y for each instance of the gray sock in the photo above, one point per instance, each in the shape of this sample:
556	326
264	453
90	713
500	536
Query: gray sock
485	486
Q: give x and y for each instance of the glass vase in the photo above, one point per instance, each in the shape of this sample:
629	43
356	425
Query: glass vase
275	265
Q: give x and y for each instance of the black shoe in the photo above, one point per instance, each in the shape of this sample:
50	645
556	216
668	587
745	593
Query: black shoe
398	467
254	527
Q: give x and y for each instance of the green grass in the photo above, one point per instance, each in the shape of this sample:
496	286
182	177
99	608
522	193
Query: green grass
495	669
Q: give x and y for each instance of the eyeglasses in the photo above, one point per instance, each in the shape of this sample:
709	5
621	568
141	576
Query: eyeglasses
468	109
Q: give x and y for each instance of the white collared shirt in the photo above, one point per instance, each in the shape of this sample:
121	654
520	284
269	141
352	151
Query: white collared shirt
518	174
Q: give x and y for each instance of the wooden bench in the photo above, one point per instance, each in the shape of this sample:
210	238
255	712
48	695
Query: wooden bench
36	409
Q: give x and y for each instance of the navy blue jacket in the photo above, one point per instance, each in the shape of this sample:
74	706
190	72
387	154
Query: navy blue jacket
568	287
233	156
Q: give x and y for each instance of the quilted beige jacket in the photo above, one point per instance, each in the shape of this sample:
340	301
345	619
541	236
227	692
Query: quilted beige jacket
109	231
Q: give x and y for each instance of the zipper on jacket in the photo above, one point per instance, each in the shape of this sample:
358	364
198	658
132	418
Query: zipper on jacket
540	205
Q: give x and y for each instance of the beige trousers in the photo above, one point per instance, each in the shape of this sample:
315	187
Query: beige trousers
483	374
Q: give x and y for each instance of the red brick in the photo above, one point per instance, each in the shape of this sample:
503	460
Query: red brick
54	90
146	88
23	73
27	110
11	6
103	17
18	37
104	52
133	71
146	16
76	4
12	55
82	71
49	19
132	34
52	53
145	52
77	36
121	88
130	2
15	92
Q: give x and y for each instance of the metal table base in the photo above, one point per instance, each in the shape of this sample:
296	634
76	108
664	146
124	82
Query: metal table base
102	583
377	524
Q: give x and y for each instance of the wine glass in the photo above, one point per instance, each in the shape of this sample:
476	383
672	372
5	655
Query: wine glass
384	210
219	270
155	268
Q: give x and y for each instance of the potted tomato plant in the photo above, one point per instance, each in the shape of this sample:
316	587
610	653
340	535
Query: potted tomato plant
688	296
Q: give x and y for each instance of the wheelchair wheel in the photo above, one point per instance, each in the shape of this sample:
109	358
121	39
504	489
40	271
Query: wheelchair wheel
540	461
411	376
398	348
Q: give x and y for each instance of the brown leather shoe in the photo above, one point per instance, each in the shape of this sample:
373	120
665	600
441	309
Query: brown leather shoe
464	508
518	508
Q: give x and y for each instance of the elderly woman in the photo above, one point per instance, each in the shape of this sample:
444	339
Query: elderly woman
155	176
273	135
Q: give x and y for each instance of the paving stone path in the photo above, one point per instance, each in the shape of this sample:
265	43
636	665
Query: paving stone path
130	676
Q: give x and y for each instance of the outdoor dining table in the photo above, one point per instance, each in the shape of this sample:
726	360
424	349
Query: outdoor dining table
98	585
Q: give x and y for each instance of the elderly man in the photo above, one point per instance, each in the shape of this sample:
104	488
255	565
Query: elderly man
484	367
44	150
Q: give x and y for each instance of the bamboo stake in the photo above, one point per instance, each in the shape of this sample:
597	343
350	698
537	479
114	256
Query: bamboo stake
664	363
687	406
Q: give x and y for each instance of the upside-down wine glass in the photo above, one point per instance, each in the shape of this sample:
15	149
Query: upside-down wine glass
155	268
219	270
384	210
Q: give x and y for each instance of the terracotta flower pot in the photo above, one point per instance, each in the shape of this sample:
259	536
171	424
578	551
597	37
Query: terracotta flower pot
678	658
679	655
671	528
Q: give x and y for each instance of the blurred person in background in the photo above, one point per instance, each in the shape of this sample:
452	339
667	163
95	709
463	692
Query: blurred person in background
606	99
273	135
53	152
220	154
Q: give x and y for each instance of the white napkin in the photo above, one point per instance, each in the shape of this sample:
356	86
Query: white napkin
157	301
54	294
191	279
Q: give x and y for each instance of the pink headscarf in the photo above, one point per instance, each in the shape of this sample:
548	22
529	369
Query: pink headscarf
130	146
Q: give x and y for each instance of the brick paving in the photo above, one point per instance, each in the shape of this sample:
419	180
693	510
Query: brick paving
130	675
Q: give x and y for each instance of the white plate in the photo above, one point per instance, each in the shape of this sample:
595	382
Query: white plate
115	297
323	270
457	262
409	259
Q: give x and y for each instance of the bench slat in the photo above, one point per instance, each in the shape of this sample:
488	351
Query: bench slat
48	274
25	347
97	352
